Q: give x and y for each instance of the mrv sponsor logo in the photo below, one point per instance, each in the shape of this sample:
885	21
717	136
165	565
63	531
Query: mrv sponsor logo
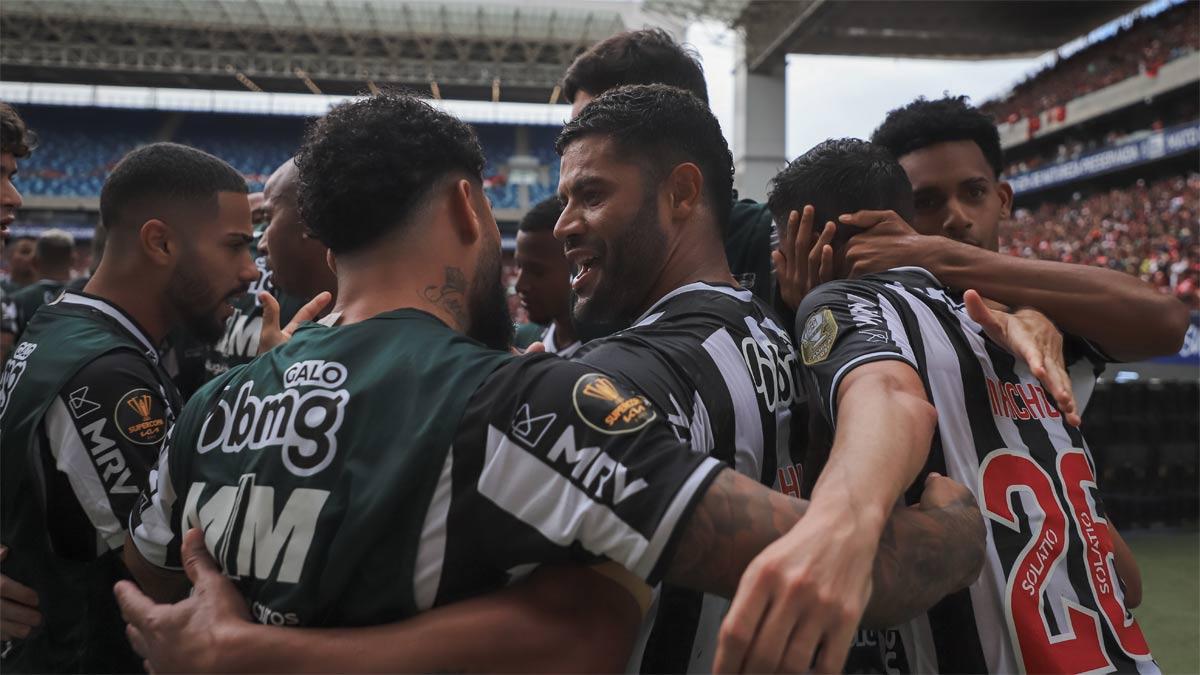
302	420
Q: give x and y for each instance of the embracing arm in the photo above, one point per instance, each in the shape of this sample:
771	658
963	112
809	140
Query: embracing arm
562	619
587	614
1081	299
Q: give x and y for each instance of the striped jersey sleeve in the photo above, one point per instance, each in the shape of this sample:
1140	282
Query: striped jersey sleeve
554	462
101	436
843	325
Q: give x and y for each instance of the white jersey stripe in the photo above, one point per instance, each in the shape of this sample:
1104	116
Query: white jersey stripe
431	555
72	458
954	430
153	534
740	294
747	422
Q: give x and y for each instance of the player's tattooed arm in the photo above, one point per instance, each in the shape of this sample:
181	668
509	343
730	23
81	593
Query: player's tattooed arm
450	295
926	551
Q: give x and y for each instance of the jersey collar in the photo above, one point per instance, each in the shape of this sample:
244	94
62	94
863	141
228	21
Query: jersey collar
918	270
739	293
113	312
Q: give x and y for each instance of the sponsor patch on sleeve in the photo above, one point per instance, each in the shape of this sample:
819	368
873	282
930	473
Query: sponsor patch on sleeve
816	341
141	417
609	407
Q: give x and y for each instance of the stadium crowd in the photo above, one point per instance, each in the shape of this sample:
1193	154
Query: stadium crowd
1148	230
749	437
1143	47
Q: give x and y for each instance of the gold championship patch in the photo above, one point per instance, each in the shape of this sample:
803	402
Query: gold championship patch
817	339
140	417
608	407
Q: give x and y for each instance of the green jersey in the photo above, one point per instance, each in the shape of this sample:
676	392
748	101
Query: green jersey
84	407
360	474
33	296
749	240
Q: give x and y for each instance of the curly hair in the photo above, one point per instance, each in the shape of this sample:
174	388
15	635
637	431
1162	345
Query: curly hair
368	164
662	127
923	123
15	137
649	56
840	176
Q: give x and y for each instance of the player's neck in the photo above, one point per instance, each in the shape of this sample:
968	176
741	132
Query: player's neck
130	293
367	290
690	261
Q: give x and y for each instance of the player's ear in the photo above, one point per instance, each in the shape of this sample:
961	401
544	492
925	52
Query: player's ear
685	186
157	241
1006	198
465	208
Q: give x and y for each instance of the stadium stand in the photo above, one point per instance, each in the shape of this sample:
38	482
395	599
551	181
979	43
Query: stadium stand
1143	47
1147	229
80	145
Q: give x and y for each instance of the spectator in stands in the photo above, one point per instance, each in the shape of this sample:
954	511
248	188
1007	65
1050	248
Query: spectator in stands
544	278
1141	230
16	142
651	56
54	258
1140	48
21	272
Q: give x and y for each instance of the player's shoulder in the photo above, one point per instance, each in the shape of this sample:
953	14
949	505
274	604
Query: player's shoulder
122	386
544	386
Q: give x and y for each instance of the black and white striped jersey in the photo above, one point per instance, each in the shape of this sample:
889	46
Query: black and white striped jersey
1049	599
716	362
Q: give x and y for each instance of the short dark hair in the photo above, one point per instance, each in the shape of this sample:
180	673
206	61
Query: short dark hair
15	137
923	123
841	176
542	217
55	248
367	165
662	127
649	56
168	172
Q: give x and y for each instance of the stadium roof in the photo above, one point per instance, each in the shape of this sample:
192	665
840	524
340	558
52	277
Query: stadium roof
472	49
978	29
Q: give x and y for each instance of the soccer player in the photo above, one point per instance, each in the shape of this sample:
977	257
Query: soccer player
652	56
53	258
16	142
410	467
21	272
544	278
85	402
1050	599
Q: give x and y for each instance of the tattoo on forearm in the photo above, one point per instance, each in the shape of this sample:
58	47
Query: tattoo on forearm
924	555
735	520
451	295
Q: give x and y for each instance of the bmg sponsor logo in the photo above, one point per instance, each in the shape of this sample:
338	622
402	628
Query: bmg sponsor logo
302	420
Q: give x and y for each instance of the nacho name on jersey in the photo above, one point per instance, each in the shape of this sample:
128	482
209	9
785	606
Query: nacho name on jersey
302	421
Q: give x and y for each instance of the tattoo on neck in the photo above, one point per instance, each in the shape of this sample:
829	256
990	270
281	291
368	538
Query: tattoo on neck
451	295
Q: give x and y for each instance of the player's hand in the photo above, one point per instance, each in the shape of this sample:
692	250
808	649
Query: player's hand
1031	336
537	347
799	603
801	264
189	636
18	607
887	241
272	335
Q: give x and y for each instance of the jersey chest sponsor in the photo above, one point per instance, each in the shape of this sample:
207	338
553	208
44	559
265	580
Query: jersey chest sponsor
302	421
